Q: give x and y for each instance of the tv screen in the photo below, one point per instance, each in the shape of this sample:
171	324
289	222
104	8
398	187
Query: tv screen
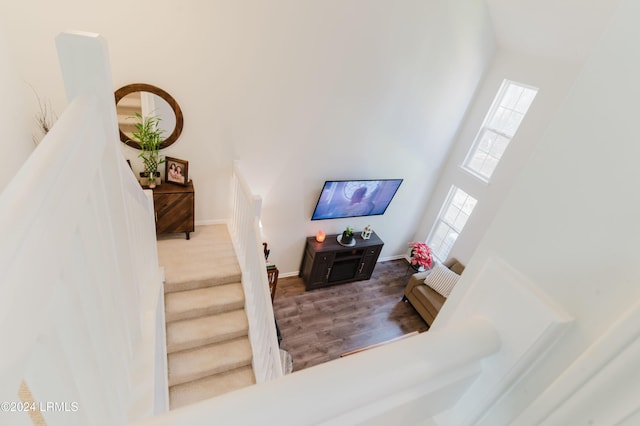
353	198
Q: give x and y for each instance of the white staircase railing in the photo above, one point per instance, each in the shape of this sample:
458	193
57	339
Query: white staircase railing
245	233
79	279
402	384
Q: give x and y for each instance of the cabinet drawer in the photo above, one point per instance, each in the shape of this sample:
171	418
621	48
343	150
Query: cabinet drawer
373	251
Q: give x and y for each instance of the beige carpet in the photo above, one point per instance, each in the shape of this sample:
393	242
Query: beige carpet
208	349
206	259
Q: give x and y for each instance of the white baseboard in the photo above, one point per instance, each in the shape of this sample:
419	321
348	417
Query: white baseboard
381	259
396	257
288	274
211	222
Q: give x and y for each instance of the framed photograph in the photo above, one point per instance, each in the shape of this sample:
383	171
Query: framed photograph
177	171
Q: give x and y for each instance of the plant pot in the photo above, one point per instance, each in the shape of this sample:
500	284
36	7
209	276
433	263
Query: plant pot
415	267
346	239
150	182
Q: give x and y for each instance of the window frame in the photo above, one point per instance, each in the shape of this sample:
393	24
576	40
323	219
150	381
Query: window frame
484	128
440	219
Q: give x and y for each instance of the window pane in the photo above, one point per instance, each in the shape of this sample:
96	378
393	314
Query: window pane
469	205
525	100
459	197
500	125
488	166
477	161
512	122
511	96
500	119
441	232
486	142
439	243
450	222
443	246
461	220
451	215
499	146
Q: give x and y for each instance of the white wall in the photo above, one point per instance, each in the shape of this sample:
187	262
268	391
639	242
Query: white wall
553	78
300	91
570	224
379	93
16	143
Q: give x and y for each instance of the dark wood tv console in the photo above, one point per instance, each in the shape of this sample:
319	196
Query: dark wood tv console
329	263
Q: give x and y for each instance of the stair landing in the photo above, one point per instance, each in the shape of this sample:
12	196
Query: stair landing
205	260
207	332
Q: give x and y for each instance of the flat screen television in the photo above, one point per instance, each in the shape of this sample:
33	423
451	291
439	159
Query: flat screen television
354	198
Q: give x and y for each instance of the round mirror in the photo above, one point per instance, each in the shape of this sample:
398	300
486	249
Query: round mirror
146	99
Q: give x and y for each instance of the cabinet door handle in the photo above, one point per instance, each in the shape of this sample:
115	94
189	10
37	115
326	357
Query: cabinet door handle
328	273
361	268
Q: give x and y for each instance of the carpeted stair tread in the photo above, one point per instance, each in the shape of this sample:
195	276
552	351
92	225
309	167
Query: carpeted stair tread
205	301
208	349
194	364
191	333
208	258
221	279
208	387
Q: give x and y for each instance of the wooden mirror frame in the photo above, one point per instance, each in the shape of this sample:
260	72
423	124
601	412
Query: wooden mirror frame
142	87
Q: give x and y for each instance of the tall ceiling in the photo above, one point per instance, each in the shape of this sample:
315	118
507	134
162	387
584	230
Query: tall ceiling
565	29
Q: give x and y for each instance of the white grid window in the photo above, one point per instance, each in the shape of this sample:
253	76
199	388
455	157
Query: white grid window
453	216
500	125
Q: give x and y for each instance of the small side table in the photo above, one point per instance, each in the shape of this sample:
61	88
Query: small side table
174	207
415	269
272	275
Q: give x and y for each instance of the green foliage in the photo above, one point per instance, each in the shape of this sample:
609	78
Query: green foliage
348	232
149	137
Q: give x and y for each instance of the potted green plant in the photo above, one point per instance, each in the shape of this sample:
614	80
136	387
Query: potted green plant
347	236
149	136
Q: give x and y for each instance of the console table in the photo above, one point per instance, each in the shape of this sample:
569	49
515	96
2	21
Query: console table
174	207
329	262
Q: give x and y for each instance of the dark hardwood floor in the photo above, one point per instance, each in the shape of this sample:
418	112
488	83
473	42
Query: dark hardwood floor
320	325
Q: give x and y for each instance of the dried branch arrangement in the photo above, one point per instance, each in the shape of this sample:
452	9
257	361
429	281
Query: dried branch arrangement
45	118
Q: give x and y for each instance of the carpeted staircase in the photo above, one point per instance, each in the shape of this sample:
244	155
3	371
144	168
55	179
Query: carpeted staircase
208	349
